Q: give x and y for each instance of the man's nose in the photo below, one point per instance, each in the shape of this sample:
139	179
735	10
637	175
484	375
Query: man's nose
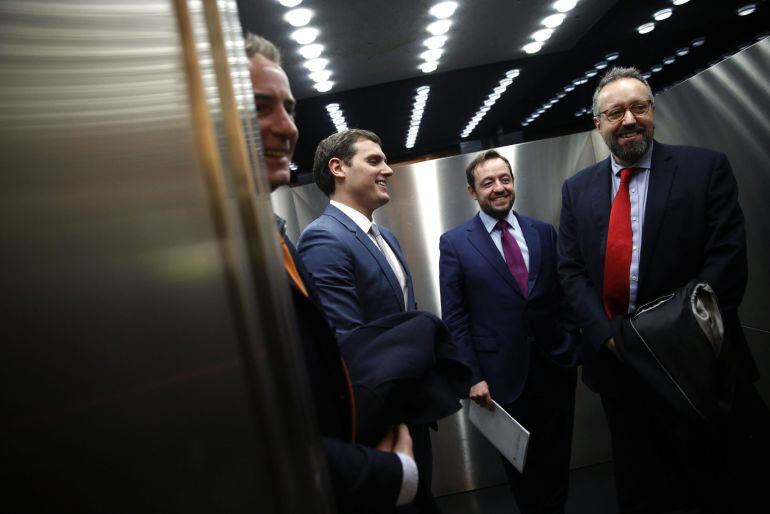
284	124
628	118
387	171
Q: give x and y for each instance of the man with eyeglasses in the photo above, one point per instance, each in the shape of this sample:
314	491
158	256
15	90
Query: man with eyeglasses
634	227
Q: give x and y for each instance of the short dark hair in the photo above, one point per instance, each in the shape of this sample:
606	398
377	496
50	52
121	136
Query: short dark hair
617	73
257	45
480	158
339	145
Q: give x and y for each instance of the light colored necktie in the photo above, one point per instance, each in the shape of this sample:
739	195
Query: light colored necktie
392	261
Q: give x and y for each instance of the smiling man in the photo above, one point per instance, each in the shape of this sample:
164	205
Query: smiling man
634	227
501	300
358	266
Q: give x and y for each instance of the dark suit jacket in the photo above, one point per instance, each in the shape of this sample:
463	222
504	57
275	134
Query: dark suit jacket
494	326
355	281
693	228
364	479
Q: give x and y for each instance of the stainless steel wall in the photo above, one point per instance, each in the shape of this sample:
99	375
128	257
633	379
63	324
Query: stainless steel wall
722	108
148	355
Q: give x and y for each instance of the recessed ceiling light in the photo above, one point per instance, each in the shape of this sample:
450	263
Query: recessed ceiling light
669	60
320	76
663	14
579	113
512	73
439	27
683	51
600	65
311	51
542	35
698	42
435	41
561	94
433	54
428	67
747	9
323	87
553	20
569	88
443	9
333	107
564	5
645	28
316	64
656	68
506	82
298	17
305	35
647	75
612	56
679	2
591	73
532	48
290	3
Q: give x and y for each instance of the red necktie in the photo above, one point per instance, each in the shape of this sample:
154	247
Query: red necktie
617	259
513	257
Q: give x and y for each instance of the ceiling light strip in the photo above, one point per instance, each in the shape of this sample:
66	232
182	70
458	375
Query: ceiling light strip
310	49
550	23
438	29
490	100
337	117
418	108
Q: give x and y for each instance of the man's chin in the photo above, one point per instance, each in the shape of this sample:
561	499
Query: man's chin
278	177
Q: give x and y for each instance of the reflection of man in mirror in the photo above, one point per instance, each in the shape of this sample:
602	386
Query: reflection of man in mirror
634	227
364	479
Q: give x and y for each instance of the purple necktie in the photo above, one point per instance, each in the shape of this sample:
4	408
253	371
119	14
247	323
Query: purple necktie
513	257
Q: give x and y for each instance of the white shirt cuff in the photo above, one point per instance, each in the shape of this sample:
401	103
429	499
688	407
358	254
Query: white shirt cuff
409	481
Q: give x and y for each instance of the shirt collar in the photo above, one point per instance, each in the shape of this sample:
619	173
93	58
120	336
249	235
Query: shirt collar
358	218
490	222
644	162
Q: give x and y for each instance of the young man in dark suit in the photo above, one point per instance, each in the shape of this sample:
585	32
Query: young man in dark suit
636	226
364	479
500	298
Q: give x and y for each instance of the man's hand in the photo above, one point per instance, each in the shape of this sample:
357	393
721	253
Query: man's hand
397	440
480	394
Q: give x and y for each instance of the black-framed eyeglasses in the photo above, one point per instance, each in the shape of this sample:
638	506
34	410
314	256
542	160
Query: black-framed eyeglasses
615	114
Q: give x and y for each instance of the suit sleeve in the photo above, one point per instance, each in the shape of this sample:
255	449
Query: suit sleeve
454	310
331	265
725	264
364	479
582	296
564	351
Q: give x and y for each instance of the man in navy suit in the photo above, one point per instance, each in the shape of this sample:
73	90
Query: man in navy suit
634	227
500	298
358	266
364	479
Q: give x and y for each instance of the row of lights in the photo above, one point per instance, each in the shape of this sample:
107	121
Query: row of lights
592	72
550	23
443	11
661	15
695	43
493	97
420	99
337	117
312	51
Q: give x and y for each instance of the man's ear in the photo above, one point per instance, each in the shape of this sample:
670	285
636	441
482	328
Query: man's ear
596	122
335	166
471	192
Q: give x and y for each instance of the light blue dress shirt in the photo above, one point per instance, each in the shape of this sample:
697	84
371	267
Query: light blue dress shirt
637	190
514	229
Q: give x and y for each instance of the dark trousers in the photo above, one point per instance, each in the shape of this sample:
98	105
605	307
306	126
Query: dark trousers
666	464
546	408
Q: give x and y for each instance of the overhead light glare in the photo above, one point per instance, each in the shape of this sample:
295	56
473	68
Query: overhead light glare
316	64
512	74
747	9
311	51
679	2
600	65
612	56
290	3
542	34
320	76
506	82
645	28
697	42
683	51
569	88
434	42
561	94
431	55
564	5
532	48
669	60
553	20
305	35
333	107
591	73
439	27
443	9
663	14
323	87
656	68
428	67
647	75
298	17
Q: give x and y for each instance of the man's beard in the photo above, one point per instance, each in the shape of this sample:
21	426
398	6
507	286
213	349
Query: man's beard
499	214
632	152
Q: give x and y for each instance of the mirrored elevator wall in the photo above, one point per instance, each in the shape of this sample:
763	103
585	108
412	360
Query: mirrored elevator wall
724	108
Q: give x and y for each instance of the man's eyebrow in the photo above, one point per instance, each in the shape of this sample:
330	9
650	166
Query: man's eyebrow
263	96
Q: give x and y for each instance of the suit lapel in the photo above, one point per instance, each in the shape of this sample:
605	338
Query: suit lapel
375	252
391	240
601	203
533	245
304	274
480	239
662	171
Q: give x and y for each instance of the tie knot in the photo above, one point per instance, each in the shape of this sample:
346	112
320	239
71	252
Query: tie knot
502	225
374	230
627	173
